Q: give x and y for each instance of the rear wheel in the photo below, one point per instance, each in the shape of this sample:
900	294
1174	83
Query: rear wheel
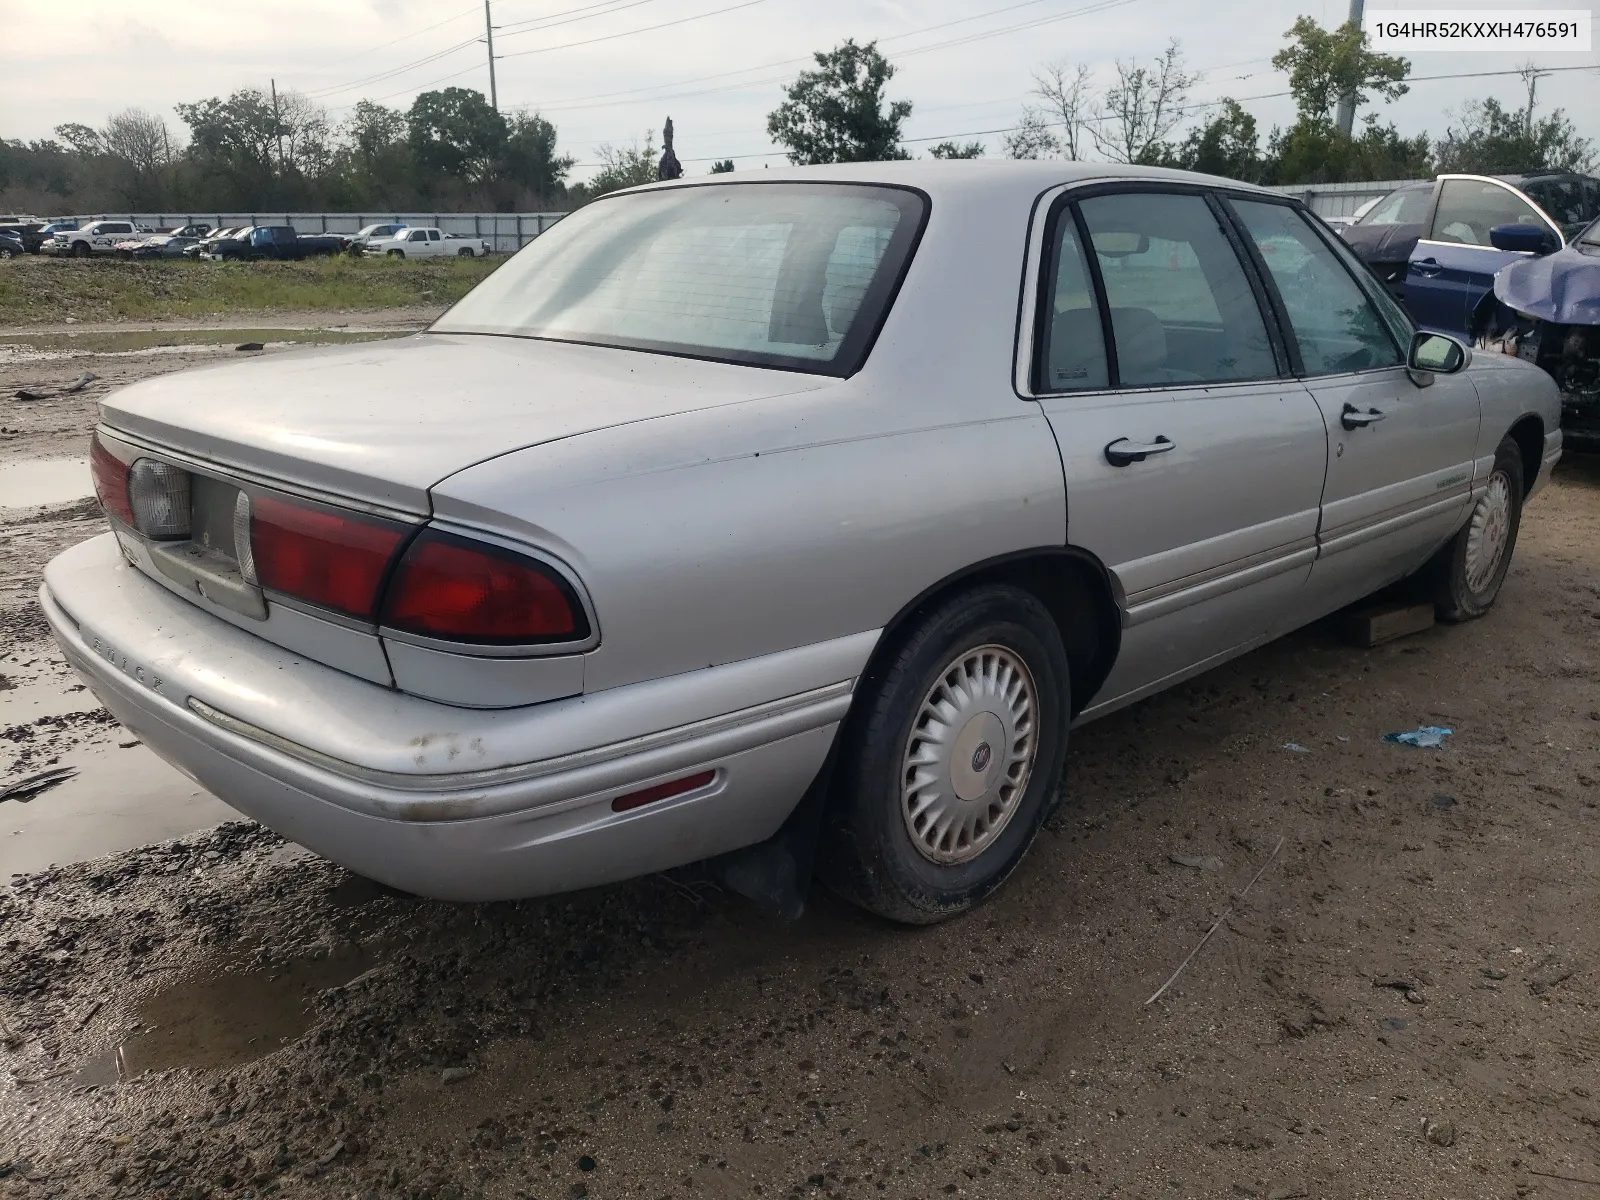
1466	574
464	252
7	252
951	760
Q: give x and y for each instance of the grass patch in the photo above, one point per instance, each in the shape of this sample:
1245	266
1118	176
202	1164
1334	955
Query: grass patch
38	291
146	339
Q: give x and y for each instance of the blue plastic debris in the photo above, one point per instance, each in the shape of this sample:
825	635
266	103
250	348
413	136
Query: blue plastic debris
1429	737
1296	747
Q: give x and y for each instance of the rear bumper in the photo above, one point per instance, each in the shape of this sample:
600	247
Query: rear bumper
505	828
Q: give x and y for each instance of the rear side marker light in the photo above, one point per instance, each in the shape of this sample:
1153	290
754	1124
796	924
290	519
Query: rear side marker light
110	476
466	591
334	559
662	791
160	499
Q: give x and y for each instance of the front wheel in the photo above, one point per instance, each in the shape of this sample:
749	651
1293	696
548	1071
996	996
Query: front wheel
397	254
951	758
80	249
1467	573
7	252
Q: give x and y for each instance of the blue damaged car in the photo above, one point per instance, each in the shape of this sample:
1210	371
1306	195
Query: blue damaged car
1547	311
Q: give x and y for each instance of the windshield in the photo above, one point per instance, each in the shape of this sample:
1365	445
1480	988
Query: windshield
1403	206
783	275
1591	235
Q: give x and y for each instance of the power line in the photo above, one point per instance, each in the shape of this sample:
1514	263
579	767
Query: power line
646	29
571	15
405	37
381	76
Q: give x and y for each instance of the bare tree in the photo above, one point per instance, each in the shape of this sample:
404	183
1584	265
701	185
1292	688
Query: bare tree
1063	91
1032	137
306	133
138	138
1143	107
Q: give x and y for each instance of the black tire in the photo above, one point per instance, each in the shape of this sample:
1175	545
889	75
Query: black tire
80	249
1463	585
868	854
464	252
397	254
7	252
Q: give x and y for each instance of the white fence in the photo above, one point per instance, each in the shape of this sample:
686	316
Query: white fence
1341	199
505	232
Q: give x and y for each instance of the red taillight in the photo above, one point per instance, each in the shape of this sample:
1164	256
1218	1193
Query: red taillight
110	476
449	587
662	791
333	559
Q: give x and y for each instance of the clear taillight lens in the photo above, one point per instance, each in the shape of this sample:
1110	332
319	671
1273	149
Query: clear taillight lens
333	559
110	476
159	496
450	587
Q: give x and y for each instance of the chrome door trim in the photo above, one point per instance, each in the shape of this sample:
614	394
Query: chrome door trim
1350	536
1207	585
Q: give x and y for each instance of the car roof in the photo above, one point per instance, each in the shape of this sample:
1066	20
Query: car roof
1008	177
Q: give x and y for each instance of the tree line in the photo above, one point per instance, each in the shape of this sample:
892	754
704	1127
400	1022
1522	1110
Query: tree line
452	151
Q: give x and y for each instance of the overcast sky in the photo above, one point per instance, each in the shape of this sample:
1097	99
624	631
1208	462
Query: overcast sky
82	61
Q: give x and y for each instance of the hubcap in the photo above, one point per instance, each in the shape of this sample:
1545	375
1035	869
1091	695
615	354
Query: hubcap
969	756
1488	532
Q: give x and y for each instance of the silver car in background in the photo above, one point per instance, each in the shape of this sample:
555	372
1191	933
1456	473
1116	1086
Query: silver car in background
791	522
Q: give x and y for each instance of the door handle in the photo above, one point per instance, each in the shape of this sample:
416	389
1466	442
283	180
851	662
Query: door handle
1354	418
1427	266
1122	452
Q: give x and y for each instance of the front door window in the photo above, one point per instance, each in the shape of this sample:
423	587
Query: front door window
1470	208
1333	320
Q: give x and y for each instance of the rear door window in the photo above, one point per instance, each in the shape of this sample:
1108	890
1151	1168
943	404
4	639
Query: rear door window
1403	206
433	235
1334	321
1182	308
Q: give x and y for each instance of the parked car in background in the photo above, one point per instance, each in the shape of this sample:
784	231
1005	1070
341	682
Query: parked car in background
358	243
203	246
1433	244
1548	312
94	237
162	245
199	229
778	513
411	241
256	242
35	241
11	244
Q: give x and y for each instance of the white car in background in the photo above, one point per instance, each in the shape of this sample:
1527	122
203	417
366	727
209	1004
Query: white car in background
95	237
412	242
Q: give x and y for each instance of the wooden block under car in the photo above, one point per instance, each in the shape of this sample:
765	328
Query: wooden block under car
1385	622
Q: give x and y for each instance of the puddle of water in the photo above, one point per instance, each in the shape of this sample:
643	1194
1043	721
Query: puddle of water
223	1019
43	481
119	800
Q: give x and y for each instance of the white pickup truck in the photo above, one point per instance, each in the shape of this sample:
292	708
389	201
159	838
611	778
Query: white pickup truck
412	242
95	237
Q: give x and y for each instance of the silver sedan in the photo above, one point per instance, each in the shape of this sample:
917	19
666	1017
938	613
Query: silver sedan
790	524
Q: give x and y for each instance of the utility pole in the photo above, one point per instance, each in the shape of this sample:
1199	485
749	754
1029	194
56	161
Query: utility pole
1531	76
1346	116
277	123
488	34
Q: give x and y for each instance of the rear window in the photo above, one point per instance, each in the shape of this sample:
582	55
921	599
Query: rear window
1403	206
785	275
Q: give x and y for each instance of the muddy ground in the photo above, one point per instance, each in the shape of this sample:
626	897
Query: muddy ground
1404	1004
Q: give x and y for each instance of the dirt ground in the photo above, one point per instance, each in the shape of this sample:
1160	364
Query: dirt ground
1404	1004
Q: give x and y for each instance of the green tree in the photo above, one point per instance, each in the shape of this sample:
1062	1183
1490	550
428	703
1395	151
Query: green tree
1032	138
232	148
837	113
1315	152
80	138
1324	65
952	150
454	133
1227	145
530	162
722	166
621	167
1492	141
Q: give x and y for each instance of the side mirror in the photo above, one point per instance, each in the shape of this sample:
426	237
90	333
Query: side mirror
1524	239
1435	354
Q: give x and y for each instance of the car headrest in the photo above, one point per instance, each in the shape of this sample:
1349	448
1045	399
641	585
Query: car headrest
1141	345
844	305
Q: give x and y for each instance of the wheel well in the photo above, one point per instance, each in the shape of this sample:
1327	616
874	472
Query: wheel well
1071	583
1528	433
